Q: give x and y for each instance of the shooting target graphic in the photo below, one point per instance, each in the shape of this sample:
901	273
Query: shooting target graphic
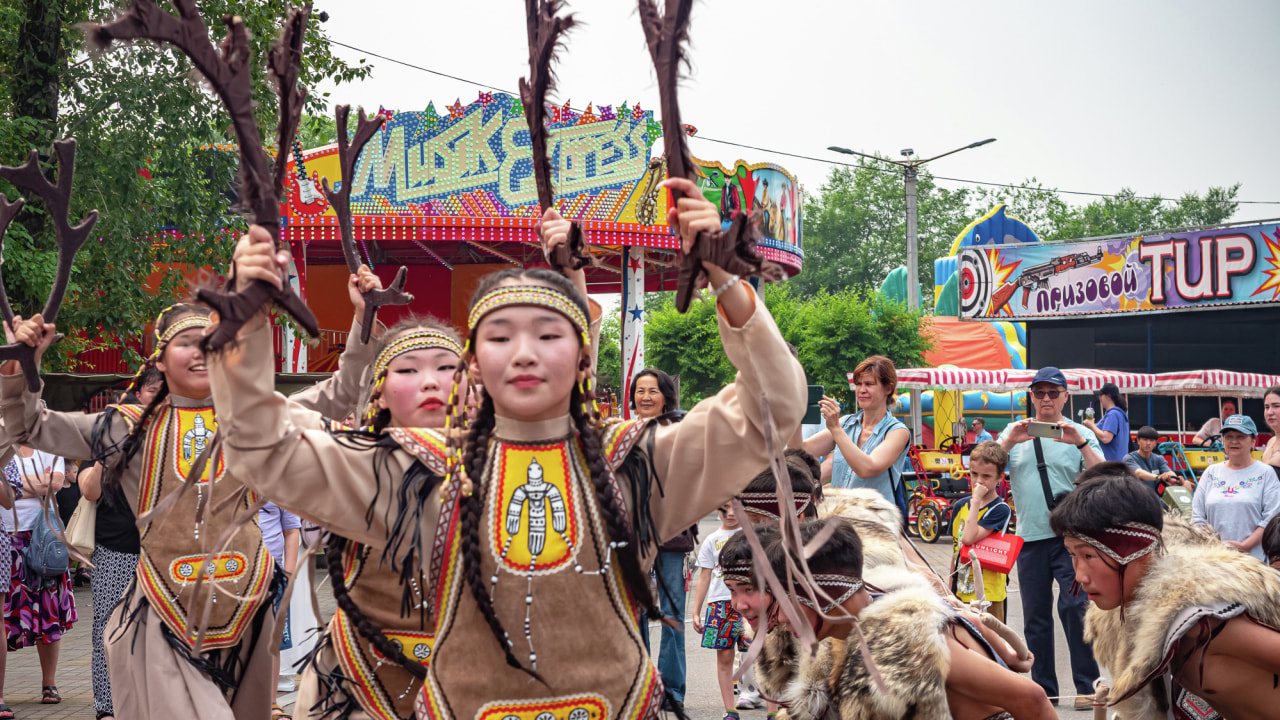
977	282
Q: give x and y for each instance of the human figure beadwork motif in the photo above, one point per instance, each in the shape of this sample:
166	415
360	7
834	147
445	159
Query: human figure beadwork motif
195	440
536	493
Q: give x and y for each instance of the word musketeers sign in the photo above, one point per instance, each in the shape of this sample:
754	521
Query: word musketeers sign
1180	271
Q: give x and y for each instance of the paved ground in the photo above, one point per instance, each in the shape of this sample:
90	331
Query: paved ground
22	678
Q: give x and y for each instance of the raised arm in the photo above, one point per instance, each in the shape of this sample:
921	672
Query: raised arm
282	450
706	459
25	418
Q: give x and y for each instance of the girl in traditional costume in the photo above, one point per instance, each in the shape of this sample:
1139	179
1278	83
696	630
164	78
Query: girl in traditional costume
192	636
370	662
1180	620
546	514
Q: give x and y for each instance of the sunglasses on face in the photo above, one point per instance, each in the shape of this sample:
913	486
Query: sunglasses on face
1042	394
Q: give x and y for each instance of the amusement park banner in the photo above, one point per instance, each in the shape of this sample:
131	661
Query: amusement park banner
1180	271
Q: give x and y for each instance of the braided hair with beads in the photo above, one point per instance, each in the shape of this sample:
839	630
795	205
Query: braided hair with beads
468	460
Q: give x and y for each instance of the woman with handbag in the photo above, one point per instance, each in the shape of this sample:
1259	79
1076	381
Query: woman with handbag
39	608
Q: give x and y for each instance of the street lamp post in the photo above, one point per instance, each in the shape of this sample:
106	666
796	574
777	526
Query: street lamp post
910	172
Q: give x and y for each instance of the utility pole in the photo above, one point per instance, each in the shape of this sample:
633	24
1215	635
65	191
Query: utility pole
910	172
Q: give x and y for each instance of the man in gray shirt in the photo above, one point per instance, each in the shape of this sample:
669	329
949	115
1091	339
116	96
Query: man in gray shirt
1150	468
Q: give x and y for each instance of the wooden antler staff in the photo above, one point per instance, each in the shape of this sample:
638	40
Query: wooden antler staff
230	75
341	203
546	36
57	198
733	249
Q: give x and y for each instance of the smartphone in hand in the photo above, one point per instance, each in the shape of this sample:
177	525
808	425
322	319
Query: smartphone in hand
1052	431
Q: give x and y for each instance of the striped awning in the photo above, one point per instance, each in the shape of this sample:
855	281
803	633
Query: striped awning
1012	380
1215	382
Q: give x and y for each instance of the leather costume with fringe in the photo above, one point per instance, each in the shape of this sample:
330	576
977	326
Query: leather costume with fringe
1195	579
153	671
673	476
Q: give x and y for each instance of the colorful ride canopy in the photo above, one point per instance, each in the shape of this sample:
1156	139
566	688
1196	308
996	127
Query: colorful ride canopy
435	185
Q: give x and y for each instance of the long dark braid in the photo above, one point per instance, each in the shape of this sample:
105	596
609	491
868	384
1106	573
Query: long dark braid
333	555
619	526
477	454
103	449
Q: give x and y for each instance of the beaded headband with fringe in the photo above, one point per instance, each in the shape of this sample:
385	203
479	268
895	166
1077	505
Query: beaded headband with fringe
1125	543
765	504
163	340
409	341
740	572
839	587
496	299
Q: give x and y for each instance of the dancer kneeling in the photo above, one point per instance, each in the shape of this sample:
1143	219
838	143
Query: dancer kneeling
1180	620
911	635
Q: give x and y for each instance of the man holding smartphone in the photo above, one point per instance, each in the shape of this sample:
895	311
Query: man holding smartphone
1045	455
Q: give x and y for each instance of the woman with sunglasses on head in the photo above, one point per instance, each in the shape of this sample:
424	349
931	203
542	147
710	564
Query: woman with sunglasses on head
546	516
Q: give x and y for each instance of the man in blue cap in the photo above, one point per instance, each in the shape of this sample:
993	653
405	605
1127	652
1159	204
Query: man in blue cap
1041	469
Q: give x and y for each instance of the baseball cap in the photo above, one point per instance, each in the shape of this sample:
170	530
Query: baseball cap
1050	375
1108	389
1240	423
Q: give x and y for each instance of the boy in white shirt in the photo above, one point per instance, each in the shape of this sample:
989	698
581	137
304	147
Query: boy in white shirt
721	625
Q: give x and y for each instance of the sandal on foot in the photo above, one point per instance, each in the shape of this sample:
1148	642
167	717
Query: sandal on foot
278	713
49	695
5	712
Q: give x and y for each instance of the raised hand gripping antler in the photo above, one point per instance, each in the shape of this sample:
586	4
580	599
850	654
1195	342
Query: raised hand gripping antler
734	249
546	35
341	203
57	198
230	75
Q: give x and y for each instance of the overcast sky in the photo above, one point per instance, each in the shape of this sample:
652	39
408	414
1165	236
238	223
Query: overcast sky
1161	96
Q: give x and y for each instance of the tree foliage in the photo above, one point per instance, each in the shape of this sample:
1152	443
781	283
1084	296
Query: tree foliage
832	332
1123	213
148	158
609	361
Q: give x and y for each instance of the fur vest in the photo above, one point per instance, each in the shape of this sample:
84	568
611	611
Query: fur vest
878	522
904	631
1197	577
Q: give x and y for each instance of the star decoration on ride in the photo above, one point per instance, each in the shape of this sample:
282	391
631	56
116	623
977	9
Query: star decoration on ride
636	112
485	99
637	313
653	130
606	112
456	110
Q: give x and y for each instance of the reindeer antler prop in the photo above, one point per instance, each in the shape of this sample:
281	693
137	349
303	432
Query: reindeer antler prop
230	75
546	36
341	203
57	198
733	249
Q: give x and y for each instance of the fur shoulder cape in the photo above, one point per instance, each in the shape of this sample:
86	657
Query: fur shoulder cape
904	631
1197	577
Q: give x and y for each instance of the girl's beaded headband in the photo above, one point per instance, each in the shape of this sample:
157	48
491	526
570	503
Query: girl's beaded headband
541	295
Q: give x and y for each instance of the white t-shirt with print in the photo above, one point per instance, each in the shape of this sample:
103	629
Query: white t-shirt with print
1237	502
709	559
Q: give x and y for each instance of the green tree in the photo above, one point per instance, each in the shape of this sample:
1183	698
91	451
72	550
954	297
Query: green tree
855	228
609	360
147	159
1121	214
832	333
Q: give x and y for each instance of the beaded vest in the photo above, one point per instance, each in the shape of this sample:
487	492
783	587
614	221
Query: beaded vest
177	546
384	689
546	561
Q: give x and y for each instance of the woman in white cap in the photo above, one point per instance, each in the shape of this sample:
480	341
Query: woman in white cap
1238	496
